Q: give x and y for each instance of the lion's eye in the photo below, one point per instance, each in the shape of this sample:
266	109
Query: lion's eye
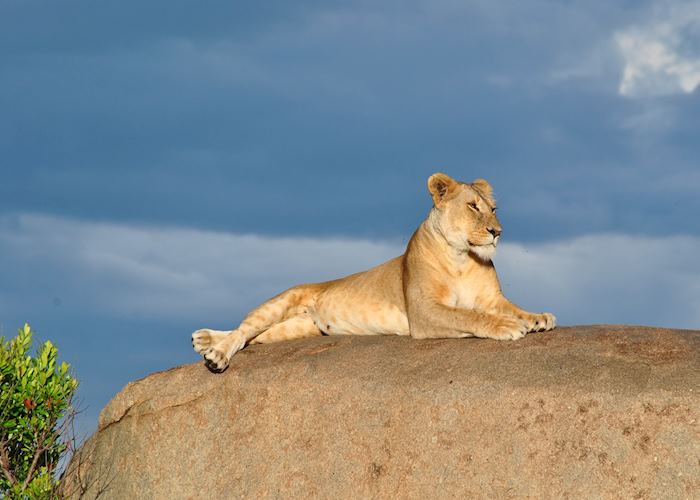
493	210
473	205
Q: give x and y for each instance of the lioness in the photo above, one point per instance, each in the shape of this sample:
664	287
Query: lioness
443	286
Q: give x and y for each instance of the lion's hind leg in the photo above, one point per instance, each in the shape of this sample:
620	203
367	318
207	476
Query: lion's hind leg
295	327
218	348
218	355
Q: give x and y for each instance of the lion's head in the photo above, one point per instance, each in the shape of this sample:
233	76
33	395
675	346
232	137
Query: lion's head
465	214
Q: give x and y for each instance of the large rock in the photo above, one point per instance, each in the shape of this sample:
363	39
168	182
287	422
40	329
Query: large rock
598	411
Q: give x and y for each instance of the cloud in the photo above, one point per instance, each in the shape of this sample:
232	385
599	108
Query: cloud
662	57
125	271
215	277
120	300
608	278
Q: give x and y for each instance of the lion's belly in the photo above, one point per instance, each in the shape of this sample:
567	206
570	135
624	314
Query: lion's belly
338	312
367	303
363	319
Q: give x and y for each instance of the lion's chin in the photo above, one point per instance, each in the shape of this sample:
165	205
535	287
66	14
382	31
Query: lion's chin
483	252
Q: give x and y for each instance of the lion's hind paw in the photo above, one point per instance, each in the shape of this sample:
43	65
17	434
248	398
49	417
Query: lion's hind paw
218	356
205	338
215	360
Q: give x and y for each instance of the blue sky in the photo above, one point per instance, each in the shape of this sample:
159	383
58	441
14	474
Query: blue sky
165	166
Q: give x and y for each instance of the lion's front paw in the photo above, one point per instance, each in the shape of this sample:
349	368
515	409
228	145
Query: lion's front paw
205	338
541	322
507	329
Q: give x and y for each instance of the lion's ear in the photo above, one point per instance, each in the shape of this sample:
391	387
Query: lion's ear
484	188
441	186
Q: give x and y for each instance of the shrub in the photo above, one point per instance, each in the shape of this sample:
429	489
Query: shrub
35	407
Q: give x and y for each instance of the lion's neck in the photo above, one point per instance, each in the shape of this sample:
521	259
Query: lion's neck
434	247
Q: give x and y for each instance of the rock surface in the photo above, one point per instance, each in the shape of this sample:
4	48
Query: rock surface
594	412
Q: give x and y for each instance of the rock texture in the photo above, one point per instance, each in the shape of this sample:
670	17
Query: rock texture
580	412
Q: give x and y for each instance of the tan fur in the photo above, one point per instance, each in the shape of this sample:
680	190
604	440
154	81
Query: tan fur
443	286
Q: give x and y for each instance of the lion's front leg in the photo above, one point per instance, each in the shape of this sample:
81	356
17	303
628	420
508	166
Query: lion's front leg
535	322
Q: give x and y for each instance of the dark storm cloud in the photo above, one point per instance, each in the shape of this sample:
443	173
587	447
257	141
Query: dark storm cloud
84	26
319	118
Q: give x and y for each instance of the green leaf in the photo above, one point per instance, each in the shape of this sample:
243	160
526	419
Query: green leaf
35	395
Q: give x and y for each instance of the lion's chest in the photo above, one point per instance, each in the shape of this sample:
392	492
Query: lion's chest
462	294
470	286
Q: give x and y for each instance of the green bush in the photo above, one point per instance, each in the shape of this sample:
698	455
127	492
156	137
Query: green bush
35	405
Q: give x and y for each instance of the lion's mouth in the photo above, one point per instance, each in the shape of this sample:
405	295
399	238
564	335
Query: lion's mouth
483	245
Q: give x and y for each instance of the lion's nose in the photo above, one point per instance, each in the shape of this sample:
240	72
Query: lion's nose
495	231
